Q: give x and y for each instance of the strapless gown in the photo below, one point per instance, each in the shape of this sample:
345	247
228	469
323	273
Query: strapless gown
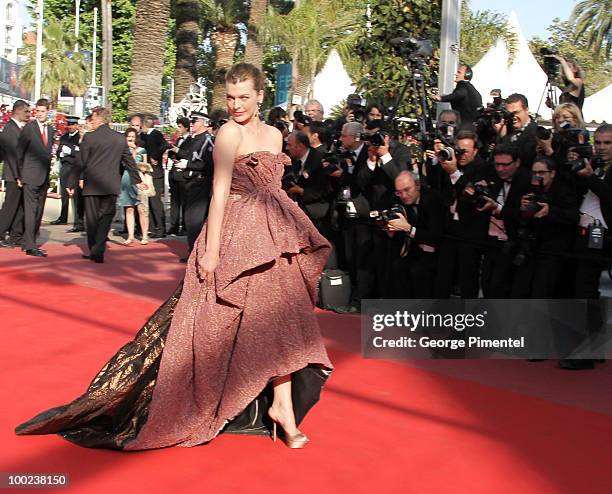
204	362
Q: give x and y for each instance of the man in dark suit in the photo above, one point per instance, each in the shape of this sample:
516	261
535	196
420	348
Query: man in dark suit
177	180
309	185
34	154
465	98
11	215
156	145
416	237
385	162
466	227
102	154
67	152
523	132
507	184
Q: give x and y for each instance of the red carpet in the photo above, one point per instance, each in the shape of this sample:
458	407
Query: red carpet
386	427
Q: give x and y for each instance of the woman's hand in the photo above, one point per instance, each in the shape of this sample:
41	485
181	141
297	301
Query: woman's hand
208	263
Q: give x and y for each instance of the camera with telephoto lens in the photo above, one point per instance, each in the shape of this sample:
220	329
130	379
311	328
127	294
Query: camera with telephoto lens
526	234
336	160
446	154
477	194
382	218
446	133
357	105
377	139
551	65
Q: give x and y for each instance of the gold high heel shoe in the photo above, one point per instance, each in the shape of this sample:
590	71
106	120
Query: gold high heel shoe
298	440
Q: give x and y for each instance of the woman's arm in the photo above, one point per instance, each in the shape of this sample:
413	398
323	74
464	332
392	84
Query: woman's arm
569	75
226	144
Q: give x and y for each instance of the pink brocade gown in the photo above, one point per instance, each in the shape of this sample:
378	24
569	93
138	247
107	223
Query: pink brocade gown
204	362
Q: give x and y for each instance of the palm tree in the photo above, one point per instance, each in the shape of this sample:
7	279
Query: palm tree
223	17
61	66
311	31
148	53
480	30
593	18
187	15
254	49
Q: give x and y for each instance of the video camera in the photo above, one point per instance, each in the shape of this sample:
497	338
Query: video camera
414	50
551	65
357	105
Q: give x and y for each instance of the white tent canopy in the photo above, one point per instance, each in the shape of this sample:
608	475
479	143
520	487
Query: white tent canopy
598	106
332	85
524	76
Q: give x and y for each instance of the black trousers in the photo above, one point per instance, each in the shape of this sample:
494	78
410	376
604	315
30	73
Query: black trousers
413	276
34	197
462	259
537	277
64	175
498	269
11	214
197	202
99	212
157	216
178	192
358	255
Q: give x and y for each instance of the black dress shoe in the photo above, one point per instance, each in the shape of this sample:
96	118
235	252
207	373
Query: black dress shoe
58	222
576	364
35	253
75	230
7	244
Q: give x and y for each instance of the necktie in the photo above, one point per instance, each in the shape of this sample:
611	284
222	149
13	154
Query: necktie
44	134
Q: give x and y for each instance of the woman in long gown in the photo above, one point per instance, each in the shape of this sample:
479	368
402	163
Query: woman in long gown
237	347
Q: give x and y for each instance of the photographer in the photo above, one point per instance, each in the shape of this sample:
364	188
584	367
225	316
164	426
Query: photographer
415	236
314	110
306	181
566	122
319	136
353	212
508	185
465	225
465	98
447	127
549	214
593	244
573	78
523	130
386	159
375	111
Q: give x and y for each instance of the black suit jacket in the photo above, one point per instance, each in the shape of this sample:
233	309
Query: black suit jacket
526	143
9	138
380	182
602	188
34	157
315	183
466	100
155	145
103	154
511	211
430	218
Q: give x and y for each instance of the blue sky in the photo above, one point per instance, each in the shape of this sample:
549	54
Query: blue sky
534	15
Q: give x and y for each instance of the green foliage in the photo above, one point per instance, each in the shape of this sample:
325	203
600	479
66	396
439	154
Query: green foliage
385	71
123	18
593	21
58	70
598	73
480	30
